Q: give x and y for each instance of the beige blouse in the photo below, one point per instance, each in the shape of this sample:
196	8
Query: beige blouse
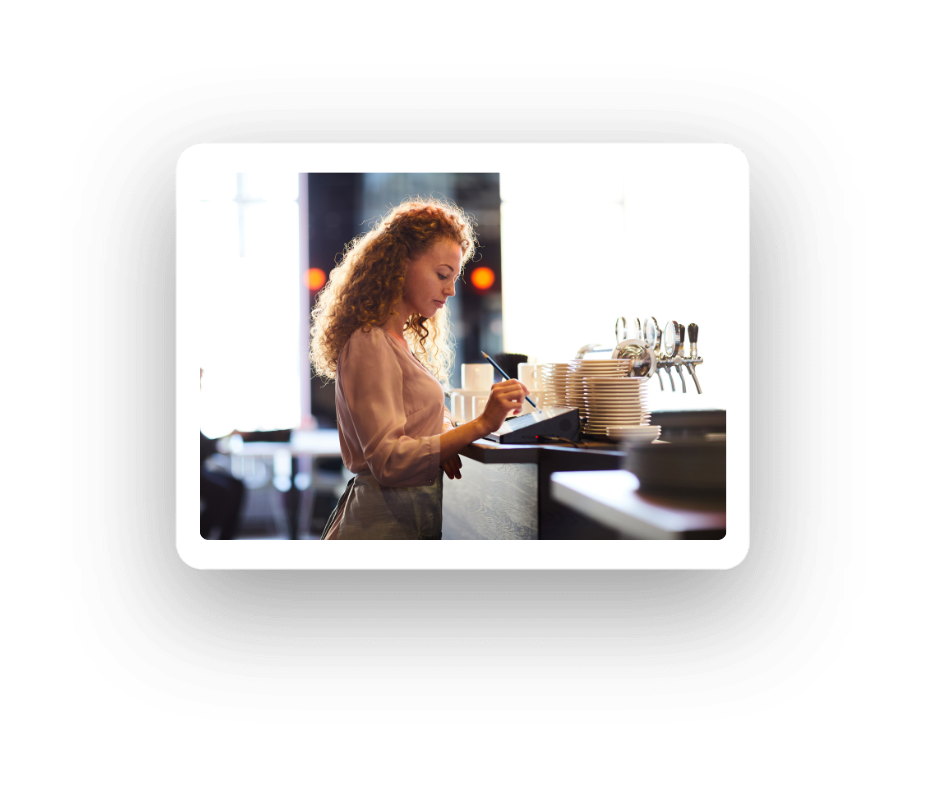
389	410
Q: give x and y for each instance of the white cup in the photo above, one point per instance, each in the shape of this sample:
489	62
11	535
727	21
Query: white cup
461	401
457	407
478	404
476	377
529	376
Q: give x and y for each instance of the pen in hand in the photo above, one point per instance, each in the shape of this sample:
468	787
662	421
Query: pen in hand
506	377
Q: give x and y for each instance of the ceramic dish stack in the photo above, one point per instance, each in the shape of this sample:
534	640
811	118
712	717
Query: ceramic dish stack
618	403
582	370
552	382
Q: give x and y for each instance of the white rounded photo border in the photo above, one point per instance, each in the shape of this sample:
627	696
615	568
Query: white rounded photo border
643	161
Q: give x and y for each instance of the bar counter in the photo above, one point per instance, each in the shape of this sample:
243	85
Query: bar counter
504	491
559	491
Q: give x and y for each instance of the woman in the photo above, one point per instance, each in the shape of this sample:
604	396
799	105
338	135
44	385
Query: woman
380	328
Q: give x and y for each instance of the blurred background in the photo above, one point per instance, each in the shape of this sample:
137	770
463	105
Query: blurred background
560	257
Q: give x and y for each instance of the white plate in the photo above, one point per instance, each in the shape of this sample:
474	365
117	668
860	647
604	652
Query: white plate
591	385
625	417
600	408
620	390
598	426
603	423
617	414
604	434
614	394
613	414
624	414
618	400
617	403
624	396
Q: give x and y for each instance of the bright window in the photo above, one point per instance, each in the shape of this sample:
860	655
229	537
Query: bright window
250	318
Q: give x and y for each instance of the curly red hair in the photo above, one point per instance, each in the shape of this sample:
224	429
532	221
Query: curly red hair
370	280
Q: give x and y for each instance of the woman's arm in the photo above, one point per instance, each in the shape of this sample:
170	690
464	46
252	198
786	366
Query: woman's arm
505	398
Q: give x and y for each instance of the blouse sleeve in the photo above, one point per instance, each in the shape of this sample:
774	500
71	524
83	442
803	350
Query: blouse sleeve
373	388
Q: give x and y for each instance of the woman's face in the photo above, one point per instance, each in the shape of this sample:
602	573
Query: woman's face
430	279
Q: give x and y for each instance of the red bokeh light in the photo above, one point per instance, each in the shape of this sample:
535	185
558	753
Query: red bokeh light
316	278
482	278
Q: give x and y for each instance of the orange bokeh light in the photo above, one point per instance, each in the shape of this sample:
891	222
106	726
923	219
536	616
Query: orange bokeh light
316	278
482	278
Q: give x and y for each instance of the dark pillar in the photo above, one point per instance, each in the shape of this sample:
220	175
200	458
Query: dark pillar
333	205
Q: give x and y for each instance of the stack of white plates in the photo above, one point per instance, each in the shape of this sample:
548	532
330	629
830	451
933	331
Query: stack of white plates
552	382
581	370
615	402
640	433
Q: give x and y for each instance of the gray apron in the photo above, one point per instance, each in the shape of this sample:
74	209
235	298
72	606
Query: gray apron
368	510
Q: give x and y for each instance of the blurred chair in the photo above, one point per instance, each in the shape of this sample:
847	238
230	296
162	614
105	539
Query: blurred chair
221	495
264	503
285	473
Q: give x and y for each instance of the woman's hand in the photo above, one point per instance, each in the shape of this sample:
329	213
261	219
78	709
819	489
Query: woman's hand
452	467
505	398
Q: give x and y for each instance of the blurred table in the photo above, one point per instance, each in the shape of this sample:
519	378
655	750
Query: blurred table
305	446
306	443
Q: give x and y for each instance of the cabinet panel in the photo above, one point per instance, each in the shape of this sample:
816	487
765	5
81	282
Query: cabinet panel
492	501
